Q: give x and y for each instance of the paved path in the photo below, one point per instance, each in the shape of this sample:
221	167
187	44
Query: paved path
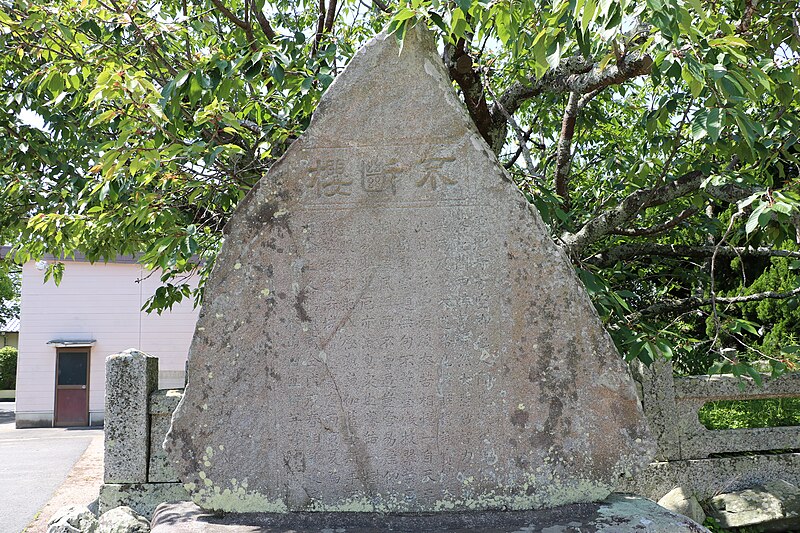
33	464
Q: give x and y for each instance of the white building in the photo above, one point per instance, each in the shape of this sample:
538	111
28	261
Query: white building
67	331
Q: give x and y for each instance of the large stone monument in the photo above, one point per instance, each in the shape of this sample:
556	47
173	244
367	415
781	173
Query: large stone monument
390	328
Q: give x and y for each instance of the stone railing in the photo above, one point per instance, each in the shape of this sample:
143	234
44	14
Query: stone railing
703	461
697	442
138	416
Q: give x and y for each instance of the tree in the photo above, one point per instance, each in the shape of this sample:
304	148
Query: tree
8	368
657	138
9	295
9	289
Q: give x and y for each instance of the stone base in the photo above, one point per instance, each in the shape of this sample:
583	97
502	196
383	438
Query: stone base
705	478
619	513
141	497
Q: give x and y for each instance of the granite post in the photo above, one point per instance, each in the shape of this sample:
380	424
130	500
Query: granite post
130	378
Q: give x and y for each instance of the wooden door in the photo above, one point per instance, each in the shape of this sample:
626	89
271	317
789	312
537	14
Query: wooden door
72	387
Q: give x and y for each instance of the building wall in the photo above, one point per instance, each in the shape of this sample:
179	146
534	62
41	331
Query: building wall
100	302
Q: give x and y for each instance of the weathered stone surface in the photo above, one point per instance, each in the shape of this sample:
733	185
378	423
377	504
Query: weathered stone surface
162	405
697	442
678	500
776	503
657	389
141	497
123	520
705	478
130	378
389	326
72	519
617	514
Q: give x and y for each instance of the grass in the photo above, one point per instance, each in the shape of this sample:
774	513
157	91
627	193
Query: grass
736	414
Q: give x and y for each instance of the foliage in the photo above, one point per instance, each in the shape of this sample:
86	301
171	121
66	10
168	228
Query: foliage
9	293
8	367
779	322
656	137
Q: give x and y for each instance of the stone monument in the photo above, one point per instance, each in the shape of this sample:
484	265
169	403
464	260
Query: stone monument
389	327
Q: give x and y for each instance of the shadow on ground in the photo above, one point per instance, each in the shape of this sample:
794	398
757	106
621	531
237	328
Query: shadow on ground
6	417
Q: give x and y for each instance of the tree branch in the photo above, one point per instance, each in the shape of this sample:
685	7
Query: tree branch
574	74
460	66
586	98
320	28
690	304
622	252
628	208
608	221
526	138
564	149
266	27
230	16
747	16
248	29
330	17
522	137
657	228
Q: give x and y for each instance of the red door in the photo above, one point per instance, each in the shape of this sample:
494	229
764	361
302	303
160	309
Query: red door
72	387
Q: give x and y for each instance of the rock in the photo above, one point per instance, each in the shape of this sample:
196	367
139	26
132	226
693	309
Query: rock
389	326
123	520
681	502
72	519
773	506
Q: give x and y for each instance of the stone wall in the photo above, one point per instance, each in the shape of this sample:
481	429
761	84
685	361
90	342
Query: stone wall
138	417
708	462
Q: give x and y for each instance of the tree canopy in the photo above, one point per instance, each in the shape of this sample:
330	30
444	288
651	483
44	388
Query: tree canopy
657	138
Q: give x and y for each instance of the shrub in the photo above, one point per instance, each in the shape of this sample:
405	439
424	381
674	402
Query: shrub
8	367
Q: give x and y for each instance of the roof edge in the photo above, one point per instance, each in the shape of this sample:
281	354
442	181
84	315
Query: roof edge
80	257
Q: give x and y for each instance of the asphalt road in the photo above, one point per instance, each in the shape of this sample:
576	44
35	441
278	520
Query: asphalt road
33	464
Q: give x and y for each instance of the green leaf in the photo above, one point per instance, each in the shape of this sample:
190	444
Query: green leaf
757	377
195	90
785	93
277	73
458	23
403	14
589	10
728	40
698	125
105	116
753	222
182	77
554	58
714	124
